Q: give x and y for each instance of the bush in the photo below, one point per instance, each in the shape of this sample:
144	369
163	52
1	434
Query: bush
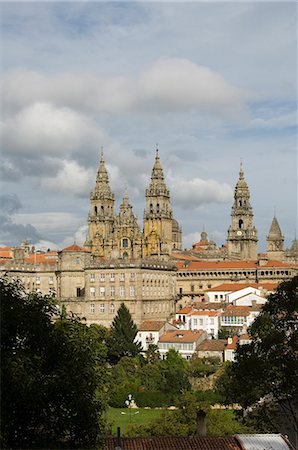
152	399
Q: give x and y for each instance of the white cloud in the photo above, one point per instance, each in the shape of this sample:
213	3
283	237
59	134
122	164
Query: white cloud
50	222
196	191
44	129
277	122
71	178
168	84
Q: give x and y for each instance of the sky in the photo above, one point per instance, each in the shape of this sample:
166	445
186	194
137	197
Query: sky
208	83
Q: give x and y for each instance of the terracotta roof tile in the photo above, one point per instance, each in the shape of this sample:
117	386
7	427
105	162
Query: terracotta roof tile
185	310
212	345
205	313
151	325
233	345
232	287
180	336
75	248
174	443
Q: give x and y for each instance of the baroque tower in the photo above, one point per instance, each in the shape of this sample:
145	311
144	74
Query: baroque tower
162	233
101	216
242	235
275	241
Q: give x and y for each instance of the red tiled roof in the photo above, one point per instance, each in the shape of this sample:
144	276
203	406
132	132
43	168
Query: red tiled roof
210	306
174	443
151	325
234	343
185	310
182	256
75	248
244	337
232	310
212	345
231	287
180	336
205	313
42	258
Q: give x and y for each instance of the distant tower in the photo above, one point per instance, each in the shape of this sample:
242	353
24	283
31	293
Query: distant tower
159	226
275	241
242	235
101	216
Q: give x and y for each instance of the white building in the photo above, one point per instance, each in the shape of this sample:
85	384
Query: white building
150	331
184	341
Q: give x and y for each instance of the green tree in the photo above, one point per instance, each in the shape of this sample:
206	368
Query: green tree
265	372
174	374
121	340
152	354
52	374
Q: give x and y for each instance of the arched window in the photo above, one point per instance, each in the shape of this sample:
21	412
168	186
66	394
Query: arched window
151	208
240	223
124	242
95	209
240	203
157	207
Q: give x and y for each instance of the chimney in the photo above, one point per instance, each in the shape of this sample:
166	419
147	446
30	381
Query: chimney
201	423
230	340
118	444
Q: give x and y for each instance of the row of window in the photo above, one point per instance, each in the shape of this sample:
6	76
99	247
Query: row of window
101	308
234	320
122	291
209	320
176	346
230	274
111	276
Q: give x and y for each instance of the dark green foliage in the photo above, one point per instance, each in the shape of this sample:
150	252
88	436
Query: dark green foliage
202	367
267	368
123	331
208	397
52	374
152	354
174	374
152	399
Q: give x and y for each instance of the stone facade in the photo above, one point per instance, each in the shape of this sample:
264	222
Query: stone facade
242	235
119	236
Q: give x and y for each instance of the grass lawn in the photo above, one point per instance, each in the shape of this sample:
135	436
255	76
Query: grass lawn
116	419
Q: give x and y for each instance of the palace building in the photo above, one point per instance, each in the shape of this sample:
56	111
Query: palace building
146	268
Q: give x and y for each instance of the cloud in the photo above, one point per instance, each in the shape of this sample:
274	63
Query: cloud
196	191
278	122
44	129
169	85
11	232
70	178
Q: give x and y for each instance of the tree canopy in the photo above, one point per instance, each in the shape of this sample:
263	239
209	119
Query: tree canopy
121	340
53	374
265	371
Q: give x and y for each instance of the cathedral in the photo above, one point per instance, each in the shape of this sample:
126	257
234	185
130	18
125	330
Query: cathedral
146	268
114	235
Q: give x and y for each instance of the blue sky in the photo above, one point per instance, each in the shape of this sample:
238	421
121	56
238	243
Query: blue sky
211	83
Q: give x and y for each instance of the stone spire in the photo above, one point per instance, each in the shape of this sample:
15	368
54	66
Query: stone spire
102	186
242	235
275	240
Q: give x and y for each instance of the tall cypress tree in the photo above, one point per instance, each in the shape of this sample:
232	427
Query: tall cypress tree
122	335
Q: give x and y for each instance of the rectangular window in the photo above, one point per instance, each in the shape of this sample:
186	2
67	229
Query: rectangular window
101	291
195	322
216	296
211	321
78	292
112	276
112	308
92	308
200	321
112	291
92	277
92	292
51	280
37	280
132	290
122	276
122	291
101	308
132	276
102	276
78	261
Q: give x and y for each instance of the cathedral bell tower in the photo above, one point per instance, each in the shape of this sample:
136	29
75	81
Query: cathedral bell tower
101	216
242	235
158	217
275	241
